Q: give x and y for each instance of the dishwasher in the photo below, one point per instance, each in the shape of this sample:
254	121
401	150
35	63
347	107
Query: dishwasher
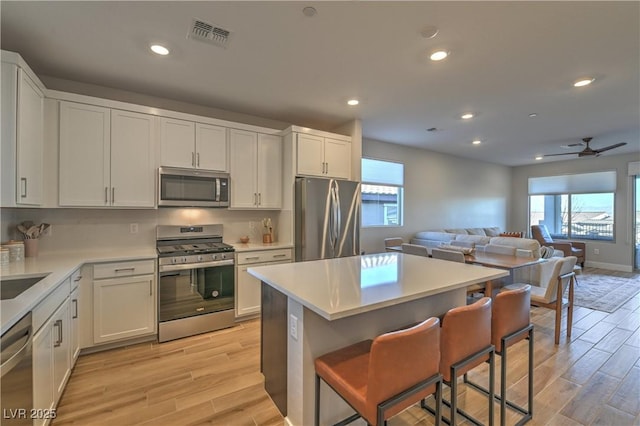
16	375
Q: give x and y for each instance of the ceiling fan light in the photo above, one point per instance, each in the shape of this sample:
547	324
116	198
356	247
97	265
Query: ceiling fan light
439	55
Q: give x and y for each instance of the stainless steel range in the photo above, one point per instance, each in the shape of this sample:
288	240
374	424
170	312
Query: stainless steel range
196	281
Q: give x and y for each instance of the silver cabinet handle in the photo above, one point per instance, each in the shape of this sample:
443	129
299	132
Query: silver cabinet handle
255	198
124	269
75	304
78	278
113	195
193	159
198	160
327	169
24	187
150	288
58	341
253	258
106	195
259	198
279	255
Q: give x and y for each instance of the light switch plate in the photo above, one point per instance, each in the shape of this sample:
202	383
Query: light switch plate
293	326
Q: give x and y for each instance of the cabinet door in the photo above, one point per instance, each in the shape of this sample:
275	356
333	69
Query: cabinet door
337	156
177	143
269	171
211	147
244	160
61	346
85	133
310	159
74	326
123	307
247	292
132	159
30	122
43	370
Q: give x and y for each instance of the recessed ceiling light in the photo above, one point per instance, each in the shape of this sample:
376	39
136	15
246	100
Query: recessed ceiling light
583	82
159	49
439	55
477	142
466	116
353	102
309	11
533	115
539	157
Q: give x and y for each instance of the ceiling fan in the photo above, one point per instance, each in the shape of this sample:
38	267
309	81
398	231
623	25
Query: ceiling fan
588	151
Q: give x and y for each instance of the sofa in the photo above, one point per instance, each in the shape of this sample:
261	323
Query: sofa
469	237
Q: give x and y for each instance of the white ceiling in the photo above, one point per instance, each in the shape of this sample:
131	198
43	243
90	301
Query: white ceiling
509	59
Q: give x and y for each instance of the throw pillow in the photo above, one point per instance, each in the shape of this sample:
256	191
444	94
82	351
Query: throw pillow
546	252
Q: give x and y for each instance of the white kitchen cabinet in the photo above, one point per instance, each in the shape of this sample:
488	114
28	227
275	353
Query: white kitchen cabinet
193	145
256	170
51	360
323	156
74	317
22	116
124	306
248	293
106	157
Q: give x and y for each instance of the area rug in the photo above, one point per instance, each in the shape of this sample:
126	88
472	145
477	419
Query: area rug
604	292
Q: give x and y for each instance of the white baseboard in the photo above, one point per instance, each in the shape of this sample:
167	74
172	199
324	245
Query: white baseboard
610	266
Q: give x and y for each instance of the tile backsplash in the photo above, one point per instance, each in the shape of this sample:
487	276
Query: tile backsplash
92	229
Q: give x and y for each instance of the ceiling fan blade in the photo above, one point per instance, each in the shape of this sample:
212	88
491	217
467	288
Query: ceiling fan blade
607	148
564	153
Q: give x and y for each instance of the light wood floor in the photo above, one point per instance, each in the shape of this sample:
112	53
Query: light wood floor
215	378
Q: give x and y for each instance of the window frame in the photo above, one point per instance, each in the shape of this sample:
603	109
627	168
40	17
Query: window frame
400	202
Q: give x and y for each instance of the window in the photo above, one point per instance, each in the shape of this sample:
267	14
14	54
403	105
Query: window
382	185
574	206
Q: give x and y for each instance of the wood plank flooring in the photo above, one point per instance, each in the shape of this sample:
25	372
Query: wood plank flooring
215	378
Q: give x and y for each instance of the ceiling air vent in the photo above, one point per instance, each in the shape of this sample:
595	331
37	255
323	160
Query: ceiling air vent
209	33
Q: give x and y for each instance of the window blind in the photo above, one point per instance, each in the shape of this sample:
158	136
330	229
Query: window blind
382	172
584	183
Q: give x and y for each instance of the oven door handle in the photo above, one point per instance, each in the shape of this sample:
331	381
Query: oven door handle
185	266
19	355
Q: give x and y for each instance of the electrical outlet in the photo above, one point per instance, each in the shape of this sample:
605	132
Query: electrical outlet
596	251
293	326
133	228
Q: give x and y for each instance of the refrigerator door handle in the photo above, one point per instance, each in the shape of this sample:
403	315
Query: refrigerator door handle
338	214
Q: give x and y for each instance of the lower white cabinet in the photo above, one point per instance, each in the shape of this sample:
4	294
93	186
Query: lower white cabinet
123	306
74	325
51	360
248	294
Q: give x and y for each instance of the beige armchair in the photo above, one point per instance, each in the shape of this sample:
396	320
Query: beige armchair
569	248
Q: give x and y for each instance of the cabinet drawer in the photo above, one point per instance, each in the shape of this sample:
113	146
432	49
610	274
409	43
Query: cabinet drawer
264	256
123	269
49	305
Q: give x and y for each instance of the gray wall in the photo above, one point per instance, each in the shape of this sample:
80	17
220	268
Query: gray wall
613	255
441	191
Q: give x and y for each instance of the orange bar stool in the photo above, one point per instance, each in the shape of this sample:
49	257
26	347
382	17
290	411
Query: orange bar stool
380	378
510	324
465	343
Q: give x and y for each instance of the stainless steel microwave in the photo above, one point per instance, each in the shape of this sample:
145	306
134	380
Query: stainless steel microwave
192	188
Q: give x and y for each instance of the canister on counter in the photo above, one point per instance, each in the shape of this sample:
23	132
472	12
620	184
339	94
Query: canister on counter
4	256
16	250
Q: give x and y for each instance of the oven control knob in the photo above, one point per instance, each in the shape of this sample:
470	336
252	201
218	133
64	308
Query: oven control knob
173	260
223	256
184	260
214	257
199	258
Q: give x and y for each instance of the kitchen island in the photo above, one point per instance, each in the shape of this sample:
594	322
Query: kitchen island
311	308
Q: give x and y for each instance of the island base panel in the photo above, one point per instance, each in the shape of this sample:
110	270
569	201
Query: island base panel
273	345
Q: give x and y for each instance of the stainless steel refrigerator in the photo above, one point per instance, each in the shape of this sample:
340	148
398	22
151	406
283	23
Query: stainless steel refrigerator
327	218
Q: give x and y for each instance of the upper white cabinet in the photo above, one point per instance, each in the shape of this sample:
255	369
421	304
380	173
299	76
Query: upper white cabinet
256	170
192	145
323	156
106	157
22	135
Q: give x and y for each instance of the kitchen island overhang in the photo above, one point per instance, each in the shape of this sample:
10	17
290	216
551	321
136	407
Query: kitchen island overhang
319	306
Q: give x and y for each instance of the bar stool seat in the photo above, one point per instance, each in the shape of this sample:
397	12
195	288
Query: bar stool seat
465	342
510	324
380	378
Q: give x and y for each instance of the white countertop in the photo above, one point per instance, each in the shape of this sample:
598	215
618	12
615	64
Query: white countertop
251	246
338	288
57	267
